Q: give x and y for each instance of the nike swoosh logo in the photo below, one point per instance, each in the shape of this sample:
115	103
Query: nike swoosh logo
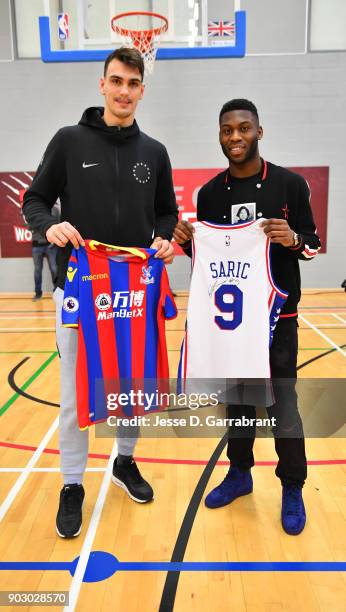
89	165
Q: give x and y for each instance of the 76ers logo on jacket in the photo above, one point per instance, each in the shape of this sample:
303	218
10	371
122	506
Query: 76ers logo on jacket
141	172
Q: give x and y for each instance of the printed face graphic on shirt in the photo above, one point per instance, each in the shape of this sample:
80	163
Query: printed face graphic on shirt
243	213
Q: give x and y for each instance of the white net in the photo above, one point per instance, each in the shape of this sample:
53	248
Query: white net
142	31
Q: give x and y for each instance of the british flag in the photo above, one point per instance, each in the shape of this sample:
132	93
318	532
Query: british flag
220	28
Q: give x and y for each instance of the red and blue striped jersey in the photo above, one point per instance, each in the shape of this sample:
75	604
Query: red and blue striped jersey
119	298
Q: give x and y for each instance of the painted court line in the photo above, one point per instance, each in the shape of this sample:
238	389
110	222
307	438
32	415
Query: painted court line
340	350
6	470
17	318
90	535
16	330
321	309
236	566
23	352
339	318
317	314
27	470
103	565
168	461
327	325
28	382
27	312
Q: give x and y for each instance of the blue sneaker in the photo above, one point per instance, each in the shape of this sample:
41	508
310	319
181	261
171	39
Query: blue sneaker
293	517
237	483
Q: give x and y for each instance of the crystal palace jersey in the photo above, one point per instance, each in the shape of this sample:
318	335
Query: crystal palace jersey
233	304
119	298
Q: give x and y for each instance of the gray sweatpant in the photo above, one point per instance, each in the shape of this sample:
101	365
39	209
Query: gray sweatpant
73	442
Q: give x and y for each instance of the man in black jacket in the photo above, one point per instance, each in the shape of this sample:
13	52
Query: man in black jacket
282	198
115	186
41	248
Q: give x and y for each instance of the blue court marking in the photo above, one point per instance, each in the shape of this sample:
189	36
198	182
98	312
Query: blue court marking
103	565
173	53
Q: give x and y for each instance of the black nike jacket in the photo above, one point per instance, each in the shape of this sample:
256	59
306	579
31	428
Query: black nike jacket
115	185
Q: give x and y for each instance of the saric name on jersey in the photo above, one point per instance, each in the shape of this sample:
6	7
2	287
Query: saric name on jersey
228	269
122	314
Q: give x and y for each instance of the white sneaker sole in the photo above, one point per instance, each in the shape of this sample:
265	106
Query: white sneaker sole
120	484
70	537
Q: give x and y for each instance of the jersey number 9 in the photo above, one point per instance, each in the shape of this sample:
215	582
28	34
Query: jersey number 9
231	305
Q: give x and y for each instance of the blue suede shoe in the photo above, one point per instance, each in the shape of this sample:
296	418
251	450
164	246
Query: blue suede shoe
237	483
293	517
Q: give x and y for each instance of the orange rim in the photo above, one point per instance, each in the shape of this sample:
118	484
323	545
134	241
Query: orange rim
127	31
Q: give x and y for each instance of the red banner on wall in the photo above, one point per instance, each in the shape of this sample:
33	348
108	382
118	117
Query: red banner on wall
318	181
15	238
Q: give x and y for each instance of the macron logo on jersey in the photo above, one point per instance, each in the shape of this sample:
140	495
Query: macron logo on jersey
70	273
91	277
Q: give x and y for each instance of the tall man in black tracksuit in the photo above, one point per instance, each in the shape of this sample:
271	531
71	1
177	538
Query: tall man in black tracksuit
282	198
115	186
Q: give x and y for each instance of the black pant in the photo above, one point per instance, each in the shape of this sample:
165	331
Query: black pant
288	432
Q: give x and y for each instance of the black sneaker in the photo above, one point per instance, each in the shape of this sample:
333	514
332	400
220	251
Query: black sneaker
128	477
69	517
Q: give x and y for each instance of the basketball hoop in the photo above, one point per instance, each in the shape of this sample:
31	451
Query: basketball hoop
131	28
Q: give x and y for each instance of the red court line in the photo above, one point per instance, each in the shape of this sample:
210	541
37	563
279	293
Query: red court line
55	451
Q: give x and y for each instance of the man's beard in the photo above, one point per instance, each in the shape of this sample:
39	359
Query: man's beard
252	152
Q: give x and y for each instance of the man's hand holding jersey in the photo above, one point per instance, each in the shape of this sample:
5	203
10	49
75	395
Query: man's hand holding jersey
183	232
62	233
279	231
165	249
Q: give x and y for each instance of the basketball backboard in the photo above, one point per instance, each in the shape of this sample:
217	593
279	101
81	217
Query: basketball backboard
196	28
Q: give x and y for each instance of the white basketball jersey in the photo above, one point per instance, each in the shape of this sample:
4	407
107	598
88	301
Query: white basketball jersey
233	306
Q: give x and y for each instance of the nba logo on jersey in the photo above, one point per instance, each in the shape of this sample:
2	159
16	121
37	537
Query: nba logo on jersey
63	29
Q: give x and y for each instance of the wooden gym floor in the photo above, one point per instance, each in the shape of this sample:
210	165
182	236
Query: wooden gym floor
249	530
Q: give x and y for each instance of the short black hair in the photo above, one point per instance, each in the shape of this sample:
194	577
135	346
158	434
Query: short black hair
238	104
243	208
126	55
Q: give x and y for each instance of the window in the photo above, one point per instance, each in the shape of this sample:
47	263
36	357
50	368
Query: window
328	25
28	39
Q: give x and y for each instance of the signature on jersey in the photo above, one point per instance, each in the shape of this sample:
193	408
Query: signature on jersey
227	281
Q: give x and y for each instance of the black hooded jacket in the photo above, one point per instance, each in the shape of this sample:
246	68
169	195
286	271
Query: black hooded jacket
115	185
